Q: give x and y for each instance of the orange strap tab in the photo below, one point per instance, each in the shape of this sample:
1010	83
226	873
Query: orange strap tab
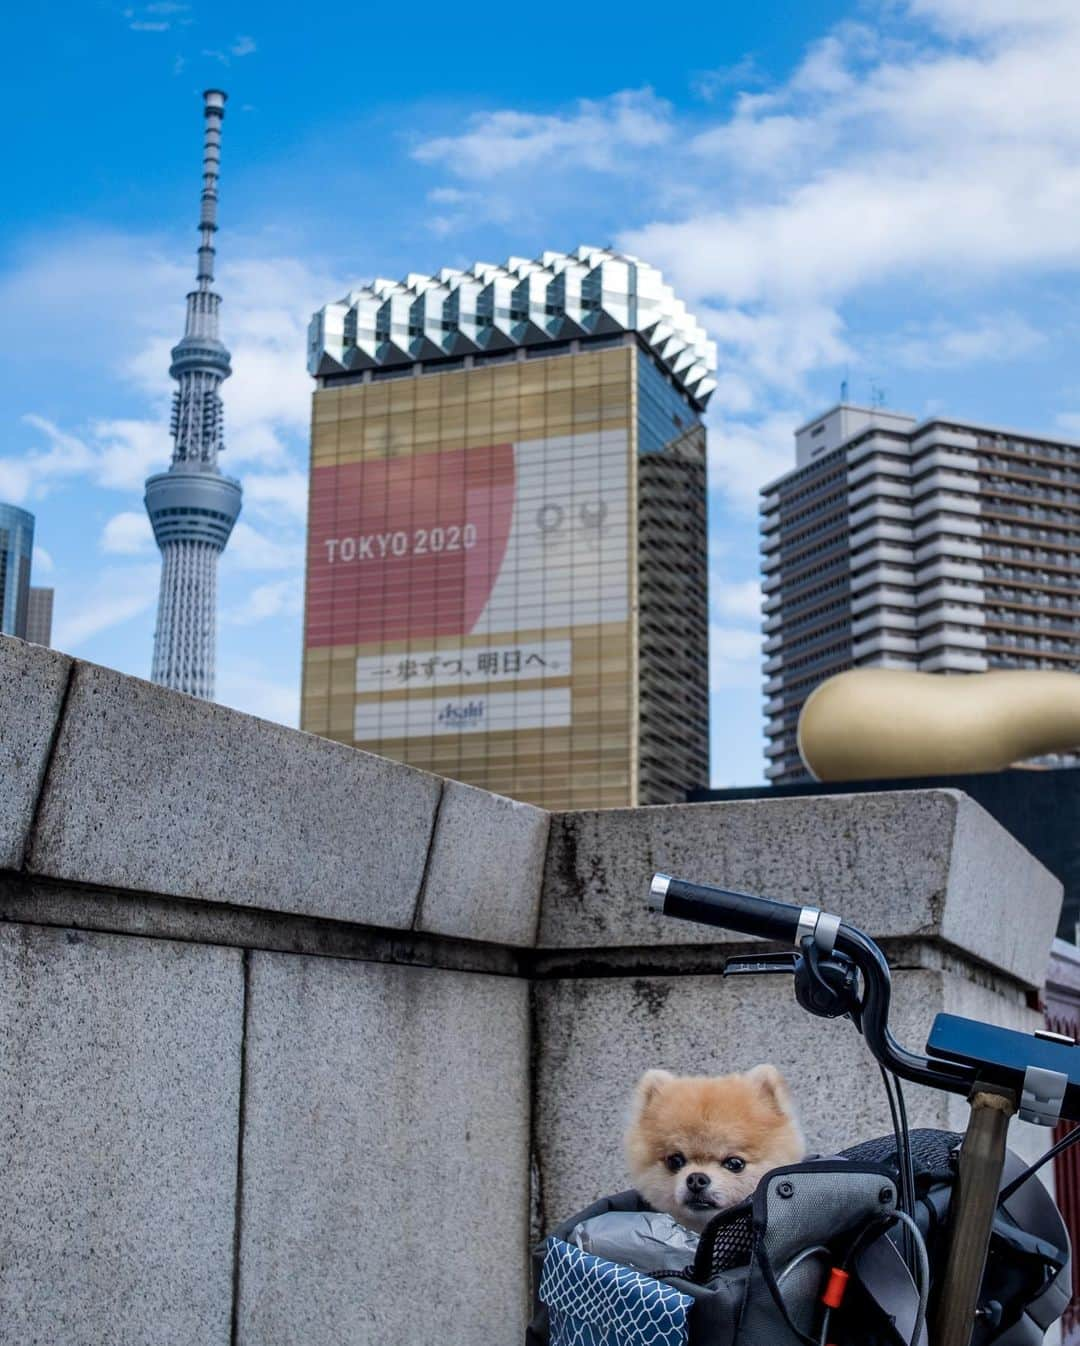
833	1296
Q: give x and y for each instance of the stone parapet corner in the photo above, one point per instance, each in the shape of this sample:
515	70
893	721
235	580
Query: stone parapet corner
930	864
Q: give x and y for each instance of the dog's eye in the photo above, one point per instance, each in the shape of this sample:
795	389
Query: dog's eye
675	1162
734	1163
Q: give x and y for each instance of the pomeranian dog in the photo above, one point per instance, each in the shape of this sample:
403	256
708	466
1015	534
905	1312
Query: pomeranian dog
698	1144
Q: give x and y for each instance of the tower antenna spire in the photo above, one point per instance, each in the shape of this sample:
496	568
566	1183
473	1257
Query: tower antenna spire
192	506
214	111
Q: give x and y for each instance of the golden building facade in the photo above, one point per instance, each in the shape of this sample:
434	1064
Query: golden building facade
506	571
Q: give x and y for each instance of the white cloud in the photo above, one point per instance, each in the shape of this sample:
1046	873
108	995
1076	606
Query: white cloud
775	348
243	46
127	534
249	549
709	84
595	134
734	657
964	18
954	160
280	598
114	454
758	145
42	562
128	451
739	599
276	495
940	344
746	455
114	596
243	685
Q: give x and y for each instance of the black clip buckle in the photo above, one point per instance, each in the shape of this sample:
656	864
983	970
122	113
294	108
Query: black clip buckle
746	964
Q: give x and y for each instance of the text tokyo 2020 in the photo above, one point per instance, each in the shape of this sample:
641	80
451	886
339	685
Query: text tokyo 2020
419	542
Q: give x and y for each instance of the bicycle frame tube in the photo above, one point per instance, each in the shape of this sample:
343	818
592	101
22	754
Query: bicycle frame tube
971	1217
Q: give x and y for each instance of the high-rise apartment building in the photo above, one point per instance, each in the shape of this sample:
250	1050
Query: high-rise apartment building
941	546
506	575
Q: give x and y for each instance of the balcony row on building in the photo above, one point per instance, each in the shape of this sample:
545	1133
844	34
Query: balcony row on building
937	546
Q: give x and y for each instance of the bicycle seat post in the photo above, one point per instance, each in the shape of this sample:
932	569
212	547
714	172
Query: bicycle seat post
982	1159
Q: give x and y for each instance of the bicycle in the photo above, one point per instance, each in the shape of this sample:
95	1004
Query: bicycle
838	970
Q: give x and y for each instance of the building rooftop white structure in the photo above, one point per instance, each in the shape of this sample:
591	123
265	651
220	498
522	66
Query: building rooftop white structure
589	293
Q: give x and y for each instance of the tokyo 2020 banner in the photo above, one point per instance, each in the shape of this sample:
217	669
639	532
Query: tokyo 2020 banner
462	573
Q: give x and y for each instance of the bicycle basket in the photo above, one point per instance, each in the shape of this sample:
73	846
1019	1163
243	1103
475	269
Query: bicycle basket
756	1278
758	1270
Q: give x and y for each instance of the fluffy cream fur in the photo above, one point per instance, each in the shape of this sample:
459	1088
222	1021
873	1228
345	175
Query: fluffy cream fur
710	1124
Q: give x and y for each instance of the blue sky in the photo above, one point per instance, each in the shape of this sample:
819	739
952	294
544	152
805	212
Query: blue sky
883	192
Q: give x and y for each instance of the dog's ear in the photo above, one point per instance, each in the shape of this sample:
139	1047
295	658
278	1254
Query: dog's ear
773	1088
648	1087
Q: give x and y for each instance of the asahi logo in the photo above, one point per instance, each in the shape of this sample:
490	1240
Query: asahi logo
461	714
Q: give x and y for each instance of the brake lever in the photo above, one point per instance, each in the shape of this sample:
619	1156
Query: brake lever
747	964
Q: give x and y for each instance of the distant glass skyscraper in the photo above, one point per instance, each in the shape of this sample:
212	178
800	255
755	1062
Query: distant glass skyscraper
16	550
25	611
192	507
506	578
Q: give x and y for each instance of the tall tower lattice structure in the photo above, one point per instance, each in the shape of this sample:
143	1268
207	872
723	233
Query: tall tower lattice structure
192	506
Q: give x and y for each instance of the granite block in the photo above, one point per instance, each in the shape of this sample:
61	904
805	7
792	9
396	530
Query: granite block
119	1099
32	683
158	792
486	867
927	863
385	1190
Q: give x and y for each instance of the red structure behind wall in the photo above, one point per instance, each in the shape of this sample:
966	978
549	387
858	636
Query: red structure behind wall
1063	1016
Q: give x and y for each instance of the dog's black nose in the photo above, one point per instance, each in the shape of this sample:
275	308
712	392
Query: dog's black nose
697	1182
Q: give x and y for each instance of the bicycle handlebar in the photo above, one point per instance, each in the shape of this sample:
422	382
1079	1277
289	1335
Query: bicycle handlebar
743	912
767	918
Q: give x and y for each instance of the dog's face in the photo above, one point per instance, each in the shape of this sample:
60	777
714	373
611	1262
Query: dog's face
697	1145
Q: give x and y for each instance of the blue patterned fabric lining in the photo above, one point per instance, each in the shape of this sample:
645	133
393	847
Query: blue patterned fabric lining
594	1302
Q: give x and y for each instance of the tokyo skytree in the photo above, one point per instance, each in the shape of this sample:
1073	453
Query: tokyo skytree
192	506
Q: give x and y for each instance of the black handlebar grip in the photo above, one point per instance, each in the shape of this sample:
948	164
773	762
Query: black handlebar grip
743	912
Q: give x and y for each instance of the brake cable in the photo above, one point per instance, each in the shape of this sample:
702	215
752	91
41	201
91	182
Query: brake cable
1068	1140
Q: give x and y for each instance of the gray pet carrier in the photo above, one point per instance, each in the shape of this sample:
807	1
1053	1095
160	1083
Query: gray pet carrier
814	1248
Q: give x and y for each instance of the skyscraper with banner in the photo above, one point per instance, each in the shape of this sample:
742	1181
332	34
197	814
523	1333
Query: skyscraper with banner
506	572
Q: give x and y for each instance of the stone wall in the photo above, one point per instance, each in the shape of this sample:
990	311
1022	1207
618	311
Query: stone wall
298	1045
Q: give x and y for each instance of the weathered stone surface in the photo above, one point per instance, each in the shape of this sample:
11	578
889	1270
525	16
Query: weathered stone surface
119	1094
596	1036
926	862
48	902
1003	905
32	682
163	793
385	1155
486	867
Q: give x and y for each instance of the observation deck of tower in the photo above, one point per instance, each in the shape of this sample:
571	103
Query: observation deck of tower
192	506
